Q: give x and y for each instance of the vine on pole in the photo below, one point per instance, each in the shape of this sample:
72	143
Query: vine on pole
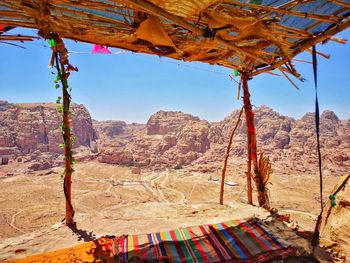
59	60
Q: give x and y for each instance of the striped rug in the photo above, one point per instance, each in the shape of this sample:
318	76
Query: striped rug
232	241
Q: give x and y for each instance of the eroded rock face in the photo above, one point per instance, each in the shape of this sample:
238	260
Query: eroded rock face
172	139
109	128
164	122
168	139
115	156
34	128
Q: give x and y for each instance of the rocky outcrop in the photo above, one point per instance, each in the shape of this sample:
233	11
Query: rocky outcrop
168	139
109	129
32	129
164	122
172	139
29	133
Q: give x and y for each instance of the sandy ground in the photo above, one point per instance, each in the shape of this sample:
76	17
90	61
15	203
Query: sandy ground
110	200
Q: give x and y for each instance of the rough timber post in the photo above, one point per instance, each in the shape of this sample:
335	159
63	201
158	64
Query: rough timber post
63	67
228	149
67	152
252	148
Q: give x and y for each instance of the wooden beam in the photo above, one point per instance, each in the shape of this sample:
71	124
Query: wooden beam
88	16
303	61
319	53
338	2
320	22
302	33
330	19
157	11
338	40
17	38
237	49
289	79
307	44
14	14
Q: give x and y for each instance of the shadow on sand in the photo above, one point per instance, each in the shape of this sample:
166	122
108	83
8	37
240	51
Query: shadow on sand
82	234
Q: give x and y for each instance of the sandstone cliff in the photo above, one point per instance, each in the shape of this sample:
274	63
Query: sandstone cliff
176	139
169	139
30	130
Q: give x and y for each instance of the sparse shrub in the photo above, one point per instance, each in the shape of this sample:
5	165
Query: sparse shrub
178	167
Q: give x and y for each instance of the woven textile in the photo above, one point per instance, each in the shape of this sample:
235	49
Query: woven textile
232	241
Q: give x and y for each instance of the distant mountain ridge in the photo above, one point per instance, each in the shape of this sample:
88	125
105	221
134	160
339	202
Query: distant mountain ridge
174	139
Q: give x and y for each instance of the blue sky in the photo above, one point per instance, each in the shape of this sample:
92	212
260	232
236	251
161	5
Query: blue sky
132	86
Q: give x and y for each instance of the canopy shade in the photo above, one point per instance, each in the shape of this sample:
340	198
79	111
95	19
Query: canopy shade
251	36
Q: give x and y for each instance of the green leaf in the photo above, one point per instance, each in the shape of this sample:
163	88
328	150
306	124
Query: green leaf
57	86
51	42
61	145
58	101
59	108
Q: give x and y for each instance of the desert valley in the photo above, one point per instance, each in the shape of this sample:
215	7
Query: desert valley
139	178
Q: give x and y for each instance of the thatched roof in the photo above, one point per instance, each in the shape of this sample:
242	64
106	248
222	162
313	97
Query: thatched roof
252	36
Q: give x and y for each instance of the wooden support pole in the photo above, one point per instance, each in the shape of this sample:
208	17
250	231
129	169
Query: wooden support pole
60	54
246	102
252	148
66	133
226	158
68	155
249	168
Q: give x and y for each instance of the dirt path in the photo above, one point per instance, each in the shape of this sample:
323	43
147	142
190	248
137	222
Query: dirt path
106	204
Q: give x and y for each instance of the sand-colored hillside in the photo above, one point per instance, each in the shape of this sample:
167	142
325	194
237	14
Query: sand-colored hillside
111	200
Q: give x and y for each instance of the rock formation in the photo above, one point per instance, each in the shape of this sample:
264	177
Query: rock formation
173	139
168	139
33	129
176	139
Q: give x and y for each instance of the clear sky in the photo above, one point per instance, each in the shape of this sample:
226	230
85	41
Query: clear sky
131	86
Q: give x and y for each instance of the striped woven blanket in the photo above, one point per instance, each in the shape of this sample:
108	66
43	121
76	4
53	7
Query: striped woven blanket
232	241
